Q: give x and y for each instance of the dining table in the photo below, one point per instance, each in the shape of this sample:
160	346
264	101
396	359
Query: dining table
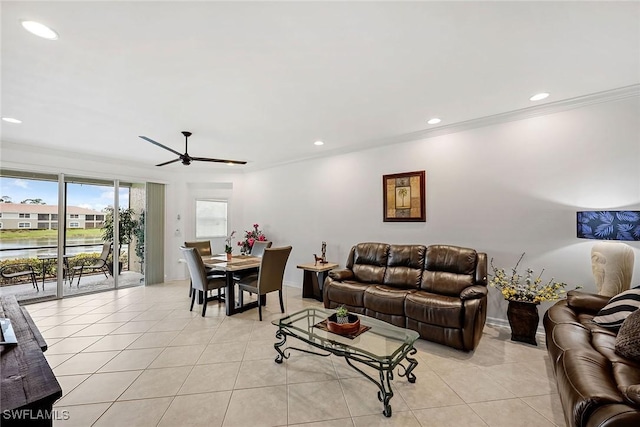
236	264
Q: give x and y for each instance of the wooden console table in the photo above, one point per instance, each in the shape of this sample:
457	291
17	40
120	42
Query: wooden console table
28	387
313	279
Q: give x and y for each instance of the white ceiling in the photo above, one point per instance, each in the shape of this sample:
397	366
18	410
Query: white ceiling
262	81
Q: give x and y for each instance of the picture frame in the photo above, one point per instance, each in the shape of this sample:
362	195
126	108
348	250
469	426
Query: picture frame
404	198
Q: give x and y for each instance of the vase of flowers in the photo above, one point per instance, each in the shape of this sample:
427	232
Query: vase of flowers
250	237
524	294
228	249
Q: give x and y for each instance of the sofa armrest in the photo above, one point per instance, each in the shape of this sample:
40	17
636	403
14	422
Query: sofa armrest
473	292
343	274
586	302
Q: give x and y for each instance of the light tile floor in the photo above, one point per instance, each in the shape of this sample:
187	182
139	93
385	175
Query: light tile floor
138	357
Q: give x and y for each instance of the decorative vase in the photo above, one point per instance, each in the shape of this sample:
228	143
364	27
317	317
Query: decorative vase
229	256
523	319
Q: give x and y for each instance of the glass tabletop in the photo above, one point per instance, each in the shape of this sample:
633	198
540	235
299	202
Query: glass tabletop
383	342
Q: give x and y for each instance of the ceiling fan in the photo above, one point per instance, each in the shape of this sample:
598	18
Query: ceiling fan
186	158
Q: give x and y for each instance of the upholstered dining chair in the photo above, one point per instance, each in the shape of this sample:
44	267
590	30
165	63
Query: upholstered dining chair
204	249
269	277
256	250
199	279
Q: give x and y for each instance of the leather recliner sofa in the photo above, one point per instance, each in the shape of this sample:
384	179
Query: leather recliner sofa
440	291
589	373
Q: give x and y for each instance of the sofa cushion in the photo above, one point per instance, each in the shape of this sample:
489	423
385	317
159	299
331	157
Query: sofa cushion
619	307
348	293
404	266
448	269
383	299
370	262
632	393
628	338
434	309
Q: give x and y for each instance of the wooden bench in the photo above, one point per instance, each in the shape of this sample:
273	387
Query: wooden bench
28	387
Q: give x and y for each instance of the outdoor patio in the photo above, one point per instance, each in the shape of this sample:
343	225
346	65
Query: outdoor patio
88	283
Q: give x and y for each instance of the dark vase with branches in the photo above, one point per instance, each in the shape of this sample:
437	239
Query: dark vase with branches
126	228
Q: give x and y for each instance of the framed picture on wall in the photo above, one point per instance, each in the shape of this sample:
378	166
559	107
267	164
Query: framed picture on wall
404	197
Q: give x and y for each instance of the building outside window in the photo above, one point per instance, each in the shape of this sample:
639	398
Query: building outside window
74	224
73	216
43	226
43	217
24	225
24	215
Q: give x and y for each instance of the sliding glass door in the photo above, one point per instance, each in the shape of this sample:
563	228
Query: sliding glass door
62	235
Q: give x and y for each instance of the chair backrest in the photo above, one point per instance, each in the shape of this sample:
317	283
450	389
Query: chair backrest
203	247
196	268
259	246
272	267
106	248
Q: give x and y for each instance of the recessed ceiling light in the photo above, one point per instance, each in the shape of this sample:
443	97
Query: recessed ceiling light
434	121
11	120
318	143
539	96
40	30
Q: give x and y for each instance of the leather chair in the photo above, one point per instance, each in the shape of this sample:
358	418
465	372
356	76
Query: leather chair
204	249
199	279
269	277
257	250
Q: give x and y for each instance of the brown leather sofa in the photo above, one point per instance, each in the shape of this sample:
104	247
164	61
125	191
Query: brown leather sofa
439	291
587	369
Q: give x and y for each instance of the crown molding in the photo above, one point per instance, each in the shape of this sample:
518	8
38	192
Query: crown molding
510	116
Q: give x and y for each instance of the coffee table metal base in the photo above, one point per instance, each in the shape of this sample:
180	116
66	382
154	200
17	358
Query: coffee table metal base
385	369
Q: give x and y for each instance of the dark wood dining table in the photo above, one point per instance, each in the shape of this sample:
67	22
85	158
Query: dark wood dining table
236	264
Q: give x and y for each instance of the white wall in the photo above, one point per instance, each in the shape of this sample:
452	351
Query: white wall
502	189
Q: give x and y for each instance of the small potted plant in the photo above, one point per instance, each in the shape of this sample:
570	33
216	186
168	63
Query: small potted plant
228	249
343	323
342	314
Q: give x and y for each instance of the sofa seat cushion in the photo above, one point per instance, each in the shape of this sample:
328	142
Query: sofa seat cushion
349	293
434	309
585	383
384	299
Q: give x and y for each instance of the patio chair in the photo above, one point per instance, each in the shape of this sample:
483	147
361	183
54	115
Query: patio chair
199	279
269	277
18	270
99	263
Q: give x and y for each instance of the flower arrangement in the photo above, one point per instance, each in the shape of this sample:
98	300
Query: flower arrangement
514	288
250	237
227	247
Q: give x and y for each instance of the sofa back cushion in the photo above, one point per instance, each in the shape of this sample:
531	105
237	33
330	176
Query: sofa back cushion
449	269
369	262
404	266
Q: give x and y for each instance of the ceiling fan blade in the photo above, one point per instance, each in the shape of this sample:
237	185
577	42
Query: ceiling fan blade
169	162
160	145
207	159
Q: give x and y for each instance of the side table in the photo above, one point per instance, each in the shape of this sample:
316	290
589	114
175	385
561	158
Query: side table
313	279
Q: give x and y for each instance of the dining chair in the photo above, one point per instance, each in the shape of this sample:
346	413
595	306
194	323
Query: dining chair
269	277
257	250
99	263
199	279
204	249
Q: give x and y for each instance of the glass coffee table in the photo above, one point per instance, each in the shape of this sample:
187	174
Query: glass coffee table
382	347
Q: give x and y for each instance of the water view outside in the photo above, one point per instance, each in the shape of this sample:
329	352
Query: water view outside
28	231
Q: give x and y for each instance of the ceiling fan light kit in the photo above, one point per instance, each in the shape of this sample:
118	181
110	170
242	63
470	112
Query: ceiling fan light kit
185	158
